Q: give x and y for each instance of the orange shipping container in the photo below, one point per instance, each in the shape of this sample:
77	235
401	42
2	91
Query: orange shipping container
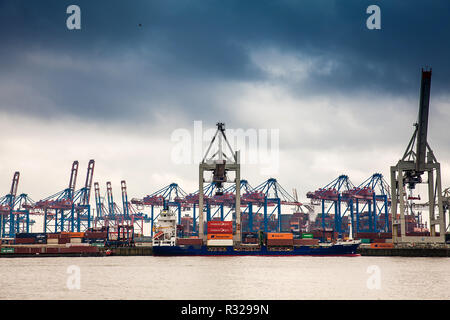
271	235
221	236
73	234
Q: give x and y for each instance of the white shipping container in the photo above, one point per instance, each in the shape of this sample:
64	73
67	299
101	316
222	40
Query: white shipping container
219	242
143	244
52	241
68	245
75	240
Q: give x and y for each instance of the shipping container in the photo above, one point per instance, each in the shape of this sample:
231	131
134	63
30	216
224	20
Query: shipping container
223	236
306	242
189	241
7	250
98	244
74	234
365	240
63	240
25	240
52	236
246	235
34	250
95	235
77	245
31	235
219	243
220	227
271	235
64	235
52	250
75	240
22	250
78	249
280	242
52	241
307	236
220	224
220	230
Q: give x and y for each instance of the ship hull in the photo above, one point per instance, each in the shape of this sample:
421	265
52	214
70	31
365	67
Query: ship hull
334	250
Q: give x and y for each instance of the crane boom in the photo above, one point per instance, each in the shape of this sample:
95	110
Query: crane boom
73	177
14	185
98	201
88	183
422	124
110	198
124	198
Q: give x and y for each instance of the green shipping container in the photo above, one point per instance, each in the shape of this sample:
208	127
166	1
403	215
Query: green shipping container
307	236
365	240
7	250
97	244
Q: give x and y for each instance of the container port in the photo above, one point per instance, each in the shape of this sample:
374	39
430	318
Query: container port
239	214
348	212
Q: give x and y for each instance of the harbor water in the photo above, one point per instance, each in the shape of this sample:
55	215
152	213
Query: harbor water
292	278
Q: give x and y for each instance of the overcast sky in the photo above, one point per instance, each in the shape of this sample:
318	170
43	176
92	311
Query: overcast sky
343	97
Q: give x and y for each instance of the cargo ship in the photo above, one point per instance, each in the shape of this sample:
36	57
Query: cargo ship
323	249
220	242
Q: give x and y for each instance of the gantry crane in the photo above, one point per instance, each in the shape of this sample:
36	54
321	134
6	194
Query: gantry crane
220	164
418	159
59	209
8	223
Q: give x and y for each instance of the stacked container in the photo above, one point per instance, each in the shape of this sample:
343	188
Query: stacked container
52	238
280	239
30	238
220	233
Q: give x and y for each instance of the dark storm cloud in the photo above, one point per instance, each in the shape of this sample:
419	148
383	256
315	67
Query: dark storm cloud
185	50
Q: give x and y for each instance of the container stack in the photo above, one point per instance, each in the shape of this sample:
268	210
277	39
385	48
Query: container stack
31	238
50	243
143	241
280	239
250	238
220	233
95	238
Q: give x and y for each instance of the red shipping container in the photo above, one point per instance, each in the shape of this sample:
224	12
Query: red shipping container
63	240
52	250
222	224
280	242
25	240
35	250
189	241
306	242
220	230
79	249
95	235
22	250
